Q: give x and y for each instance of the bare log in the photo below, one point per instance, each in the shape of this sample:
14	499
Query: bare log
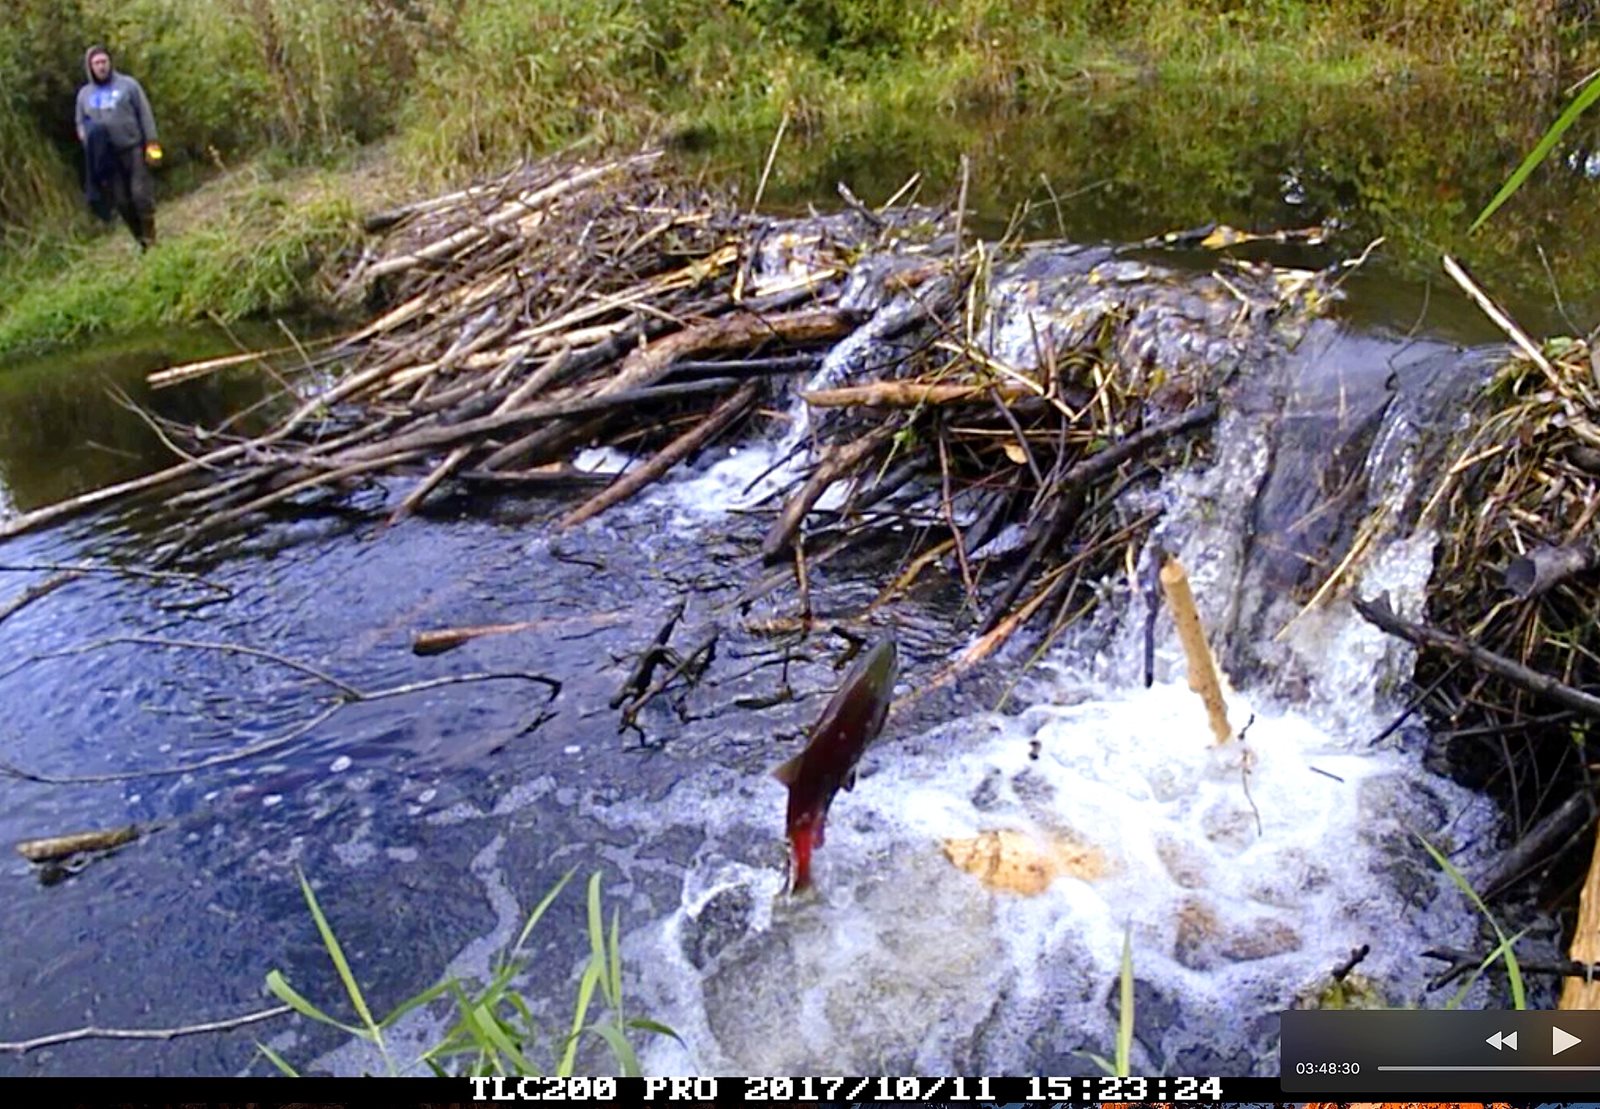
1202	665
673	453
839	461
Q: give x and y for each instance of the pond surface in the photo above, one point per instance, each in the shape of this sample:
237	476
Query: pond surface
426	820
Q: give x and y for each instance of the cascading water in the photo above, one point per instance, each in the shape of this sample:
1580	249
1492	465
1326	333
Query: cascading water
1241	875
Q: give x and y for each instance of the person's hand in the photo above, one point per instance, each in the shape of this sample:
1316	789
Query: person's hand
152	154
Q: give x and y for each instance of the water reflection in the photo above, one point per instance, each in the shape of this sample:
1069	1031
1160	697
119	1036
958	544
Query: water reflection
65	422
1413	162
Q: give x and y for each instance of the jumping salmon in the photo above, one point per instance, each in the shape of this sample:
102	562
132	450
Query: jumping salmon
851	721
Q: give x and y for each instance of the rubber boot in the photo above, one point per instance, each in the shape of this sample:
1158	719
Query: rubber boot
147	231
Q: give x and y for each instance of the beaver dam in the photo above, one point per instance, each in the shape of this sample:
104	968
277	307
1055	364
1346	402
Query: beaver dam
671	462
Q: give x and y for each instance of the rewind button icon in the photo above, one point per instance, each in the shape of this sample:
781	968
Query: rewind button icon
1500	1039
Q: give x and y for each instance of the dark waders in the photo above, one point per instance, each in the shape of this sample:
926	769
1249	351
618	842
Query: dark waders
133	195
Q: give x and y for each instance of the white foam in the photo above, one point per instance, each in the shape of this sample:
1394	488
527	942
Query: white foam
905	960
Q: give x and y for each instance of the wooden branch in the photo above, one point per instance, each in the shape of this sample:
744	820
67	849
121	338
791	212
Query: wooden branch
1378	612
839	461
1584	993
1538	844
516	209
674	452
34	592
22	1047
59	847
1071	487
1202	666
1501	320
440	640
1544	568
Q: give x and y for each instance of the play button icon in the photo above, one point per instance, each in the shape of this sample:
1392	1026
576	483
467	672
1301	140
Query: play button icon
1561	1039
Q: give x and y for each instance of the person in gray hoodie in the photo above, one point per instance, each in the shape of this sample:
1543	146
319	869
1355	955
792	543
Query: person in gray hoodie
116	104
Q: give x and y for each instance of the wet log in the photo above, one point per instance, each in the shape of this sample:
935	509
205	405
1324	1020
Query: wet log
838	462
1201	664
1538	844
673	453
555	476
752	367
1378	612
60	847
440	640
1544	568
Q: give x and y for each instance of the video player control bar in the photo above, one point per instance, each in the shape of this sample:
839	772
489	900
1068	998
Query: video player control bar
1440	1052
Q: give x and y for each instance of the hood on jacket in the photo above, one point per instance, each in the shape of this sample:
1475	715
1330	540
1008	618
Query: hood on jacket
89	70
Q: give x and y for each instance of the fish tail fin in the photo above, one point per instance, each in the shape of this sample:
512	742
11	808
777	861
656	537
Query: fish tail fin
800	876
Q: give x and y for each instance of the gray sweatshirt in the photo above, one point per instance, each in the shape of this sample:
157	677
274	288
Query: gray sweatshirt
119	106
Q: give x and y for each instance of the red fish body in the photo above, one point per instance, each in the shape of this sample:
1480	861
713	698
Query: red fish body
851	721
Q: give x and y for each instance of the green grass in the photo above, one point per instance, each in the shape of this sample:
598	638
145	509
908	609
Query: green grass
495	1031
255	251
1121	1065
1503	951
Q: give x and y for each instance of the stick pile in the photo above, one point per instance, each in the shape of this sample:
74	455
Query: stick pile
572	304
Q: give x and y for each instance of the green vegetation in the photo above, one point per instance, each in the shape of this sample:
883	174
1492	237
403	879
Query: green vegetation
1503	950
495	1031
251	249
1122	1065
459	87
1547	143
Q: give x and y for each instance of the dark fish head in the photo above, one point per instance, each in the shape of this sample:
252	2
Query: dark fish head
856	714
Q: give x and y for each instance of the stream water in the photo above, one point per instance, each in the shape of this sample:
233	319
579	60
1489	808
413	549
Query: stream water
429	822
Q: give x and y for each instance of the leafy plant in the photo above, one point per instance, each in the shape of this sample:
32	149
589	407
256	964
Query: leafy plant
495	1031
1541	151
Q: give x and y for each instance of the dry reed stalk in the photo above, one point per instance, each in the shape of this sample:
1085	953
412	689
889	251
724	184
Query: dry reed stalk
910	394
1578	993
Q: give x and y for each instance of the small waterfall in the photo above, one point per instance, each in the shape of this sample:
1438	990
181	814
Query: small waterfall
1243	874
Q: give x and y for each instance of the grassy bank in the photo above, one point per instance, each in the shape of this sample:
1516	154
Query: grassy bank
245	244
456	89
